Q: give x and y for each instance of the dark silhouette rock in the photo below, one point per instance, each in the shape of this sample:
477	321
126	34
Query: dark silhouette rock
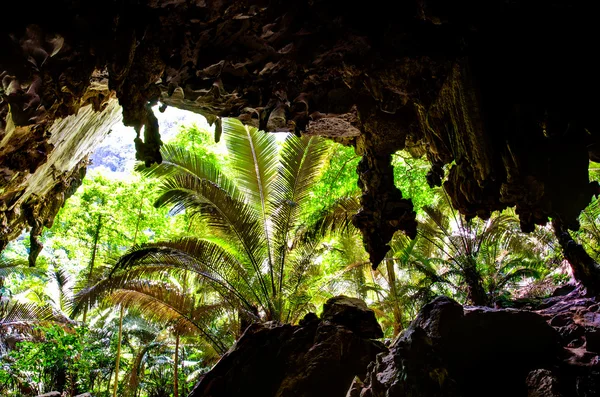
512	113
316	358
564	290
454	351
548	350
353	314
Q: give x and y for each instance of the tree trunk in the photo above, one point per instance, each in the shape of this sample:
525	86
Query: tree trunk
93	259
585	269
176	374
476	294
118	352
395	305
137	224
108	385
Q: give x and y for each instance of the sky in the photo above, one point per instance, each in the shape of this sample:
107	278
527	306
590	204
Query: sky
117	153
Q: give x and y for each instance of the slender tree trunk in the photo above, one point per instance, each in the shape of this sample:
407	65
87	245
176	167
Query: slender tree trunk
137	224
108	385
93	259
475	292
118	352
176	373
183	387
394	292
585	269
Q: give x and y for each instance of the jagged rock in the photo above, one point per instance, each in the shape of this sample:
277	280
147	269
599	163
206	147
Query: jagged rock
454	351
564	290
317	358
353	314
592	340
33	196
450	350
513	115
542	383
412	368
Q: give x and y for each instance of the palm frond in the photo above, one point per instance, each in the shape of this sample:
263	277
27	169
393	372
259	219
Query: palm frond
256	166
18	315
223	213
256	162
337	218
301	163
18	266
179	161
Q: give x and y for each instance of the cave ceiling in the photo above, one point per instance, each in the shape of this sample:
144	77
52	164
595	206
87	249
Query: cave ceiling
500	96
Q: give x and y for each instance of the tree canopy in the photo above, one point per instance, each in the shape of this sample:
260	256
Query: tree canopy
149	278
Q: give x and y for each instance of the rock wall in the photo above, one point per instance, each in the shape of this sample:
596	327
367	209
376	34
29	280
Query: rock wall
37	181
501	93
318	357
451	351
546	348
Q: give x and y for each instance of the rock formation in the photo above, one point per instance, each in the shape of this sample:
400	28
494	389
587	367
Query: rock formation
452	351
543	348
318	357
501	94
39	177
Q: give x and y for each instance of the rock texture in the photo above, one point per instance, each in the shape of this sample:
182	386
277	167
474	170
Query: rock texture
319	357
37	180
503	93
454	351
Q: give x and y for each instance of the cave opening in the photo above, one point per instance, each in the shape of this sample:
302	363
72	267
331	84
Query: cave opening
466	169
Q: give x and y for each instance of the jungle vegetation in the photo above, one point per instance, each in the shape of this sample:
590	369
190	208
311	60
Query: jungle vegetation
146	280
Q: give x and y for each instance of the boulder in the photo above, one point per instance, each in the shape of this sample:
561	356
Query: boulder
454	351
412	368
353	314
316	358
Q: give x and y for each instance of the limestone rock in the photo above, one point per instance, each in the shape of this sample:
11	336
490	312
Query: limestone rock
353	314
33	196
512	115
317	358
453	351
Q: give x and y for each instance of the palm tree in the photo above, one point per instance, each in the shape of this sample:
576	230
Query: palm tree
481	260
19	315
589	233
476	261
251	261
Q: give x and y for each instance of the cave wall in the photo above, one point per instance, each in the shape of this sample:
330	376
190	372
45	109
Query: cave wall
504	93
31	197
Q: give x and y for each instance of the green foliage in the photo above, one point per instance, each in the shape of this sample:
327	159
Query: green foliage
409	177
589	234
256	227
244	261
122	208
339	179
62	359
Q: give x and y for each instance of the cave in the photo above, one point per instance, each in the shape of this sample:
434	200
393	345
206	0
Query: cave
501	94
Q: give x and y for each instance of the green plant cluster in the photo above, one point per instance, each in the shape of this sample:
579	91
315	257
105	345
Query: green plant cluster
56	358
158	273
